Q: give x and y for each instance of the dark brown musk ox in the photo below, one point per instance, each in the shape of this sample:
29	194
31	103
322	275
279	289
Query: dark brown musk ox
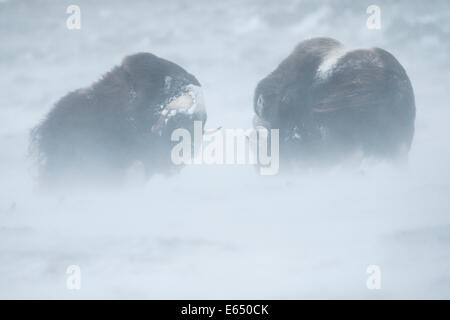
330	103
96	133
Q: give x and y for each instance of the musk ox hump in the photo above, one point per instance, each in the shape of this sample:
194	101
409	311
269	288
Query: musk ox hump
366	96
306	58
363	78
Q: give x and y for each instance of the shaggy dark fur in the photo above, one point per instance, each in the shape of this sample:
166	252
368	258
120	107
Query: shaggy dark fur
97	132
329	102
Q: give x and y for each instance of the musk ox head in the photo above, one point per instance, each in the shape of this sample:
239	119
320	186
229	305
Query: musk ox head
166	95
267	104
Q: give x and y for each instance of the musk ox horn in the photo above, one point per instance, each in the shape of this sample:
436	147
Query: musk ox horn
208	132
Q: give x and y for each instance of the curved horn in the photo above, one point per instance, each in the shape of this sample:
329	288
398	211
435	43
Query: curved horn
208	132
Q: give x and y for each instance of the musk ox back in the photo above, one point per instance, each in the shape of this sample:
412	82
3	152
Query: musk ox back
94	134
329	102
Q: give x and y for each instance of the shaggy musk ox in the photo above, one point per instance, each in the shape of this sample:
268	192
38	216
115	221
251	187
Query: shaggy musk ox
127	117
329	103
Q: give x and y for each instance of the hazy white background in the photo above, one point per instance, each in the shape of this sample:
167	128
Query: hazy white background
223	232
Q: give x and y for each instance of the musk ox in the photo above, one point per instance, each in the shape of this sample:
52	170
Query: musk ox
329	102
96	133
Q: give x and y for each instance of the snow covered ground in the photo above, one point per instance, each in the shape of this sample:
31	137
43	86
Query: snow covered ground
223	231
